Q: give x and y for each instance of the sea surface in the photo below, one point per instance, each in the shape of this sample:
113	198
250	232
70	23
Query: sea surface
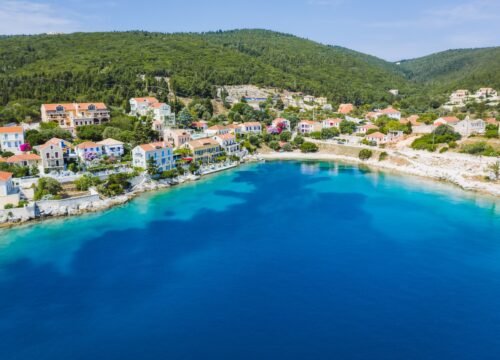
282	260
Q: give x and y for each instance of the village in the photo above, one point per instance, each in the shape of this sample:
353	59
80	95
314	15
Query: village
74	175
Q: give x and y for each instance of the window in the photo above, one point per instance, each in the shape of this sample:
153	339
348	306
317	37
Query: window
60	108
91	107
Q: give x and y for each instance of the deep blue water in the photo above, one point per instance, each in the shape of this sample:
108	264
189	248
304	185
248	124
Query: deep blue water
271	261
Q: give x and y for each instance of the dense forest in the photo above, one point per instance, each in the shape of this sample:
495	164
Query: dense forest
114	66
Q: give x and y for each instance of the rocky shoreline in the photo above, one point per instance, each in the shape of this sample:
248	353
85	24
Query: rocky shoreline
455	172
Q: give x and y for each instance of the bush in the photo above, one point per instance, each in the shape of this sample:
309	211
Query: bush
8	206
287	148
308	147
86	182
479	148
383	155
286	136
443	150
452	144
491	131
47	186
274	145
365	154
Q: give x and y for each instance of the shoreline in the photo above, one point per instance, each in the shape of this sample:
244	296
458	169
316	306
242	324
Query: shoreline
422	170
439	175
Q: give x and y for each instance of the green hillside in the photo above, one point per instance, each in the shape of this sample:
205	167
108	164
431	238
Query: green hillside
107	65
114	66
453	69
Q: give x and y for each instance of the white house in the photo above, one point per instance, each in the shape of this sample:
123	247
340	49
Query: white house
11	138
6	185
150	106
54	154
331	123
468	127
161	152
88	151
250	128
112	147
218	130
363	129
378	138
446	120
228	143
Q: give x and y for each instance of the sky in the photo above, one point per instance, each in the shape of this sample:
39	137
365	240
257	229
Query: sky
390	29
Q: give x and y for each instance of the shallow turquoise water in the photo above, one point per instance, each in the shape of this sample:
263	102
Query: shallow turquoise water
280	260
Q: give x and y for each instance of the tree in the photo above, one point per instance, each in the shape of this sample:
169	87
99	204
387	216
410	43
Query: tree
329	133
274	145
90	132
185	119
152	167
285	136
308	147
347	127
365	154
86	182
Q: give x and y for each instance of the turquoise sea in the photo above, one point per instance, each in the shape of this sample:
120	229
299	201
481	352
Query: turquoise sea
282	260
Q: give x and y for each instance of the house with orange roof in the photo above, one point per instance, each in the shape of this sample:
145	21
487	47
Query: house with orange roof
54	154
363	129
71	116
378	138
11	138
25	160
161	152
331	123
345	109
200	125
6	185
204	150
308	126
389	112
150	106
228	143
446	120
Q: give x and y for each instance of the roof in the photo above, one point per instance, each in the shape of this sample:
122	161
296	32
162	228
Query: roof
4	176
369	126
335	121
54	141
449	119
377	135
491	120
390	110
279	120
309	122
149	99
218	127
226	136
154	146
158	105
345	108
251	123
11	129
24	157
87	145
110	141
74	106
203	143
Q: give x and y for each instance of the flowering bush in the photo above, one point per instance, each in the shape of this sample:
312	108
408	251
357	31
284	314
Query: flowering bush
25	147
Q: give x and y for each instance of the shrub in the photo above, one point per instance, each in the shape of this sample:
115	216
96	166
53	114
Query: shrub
47	186
491	131
86	182
443	149
308	147
479	148
365	154
452	144
8	206
287	147
383	155
274	145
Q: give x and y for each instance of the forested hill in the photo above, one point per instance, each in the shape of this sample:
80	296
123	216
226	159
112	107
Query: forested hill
105	66
453	69
108	67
